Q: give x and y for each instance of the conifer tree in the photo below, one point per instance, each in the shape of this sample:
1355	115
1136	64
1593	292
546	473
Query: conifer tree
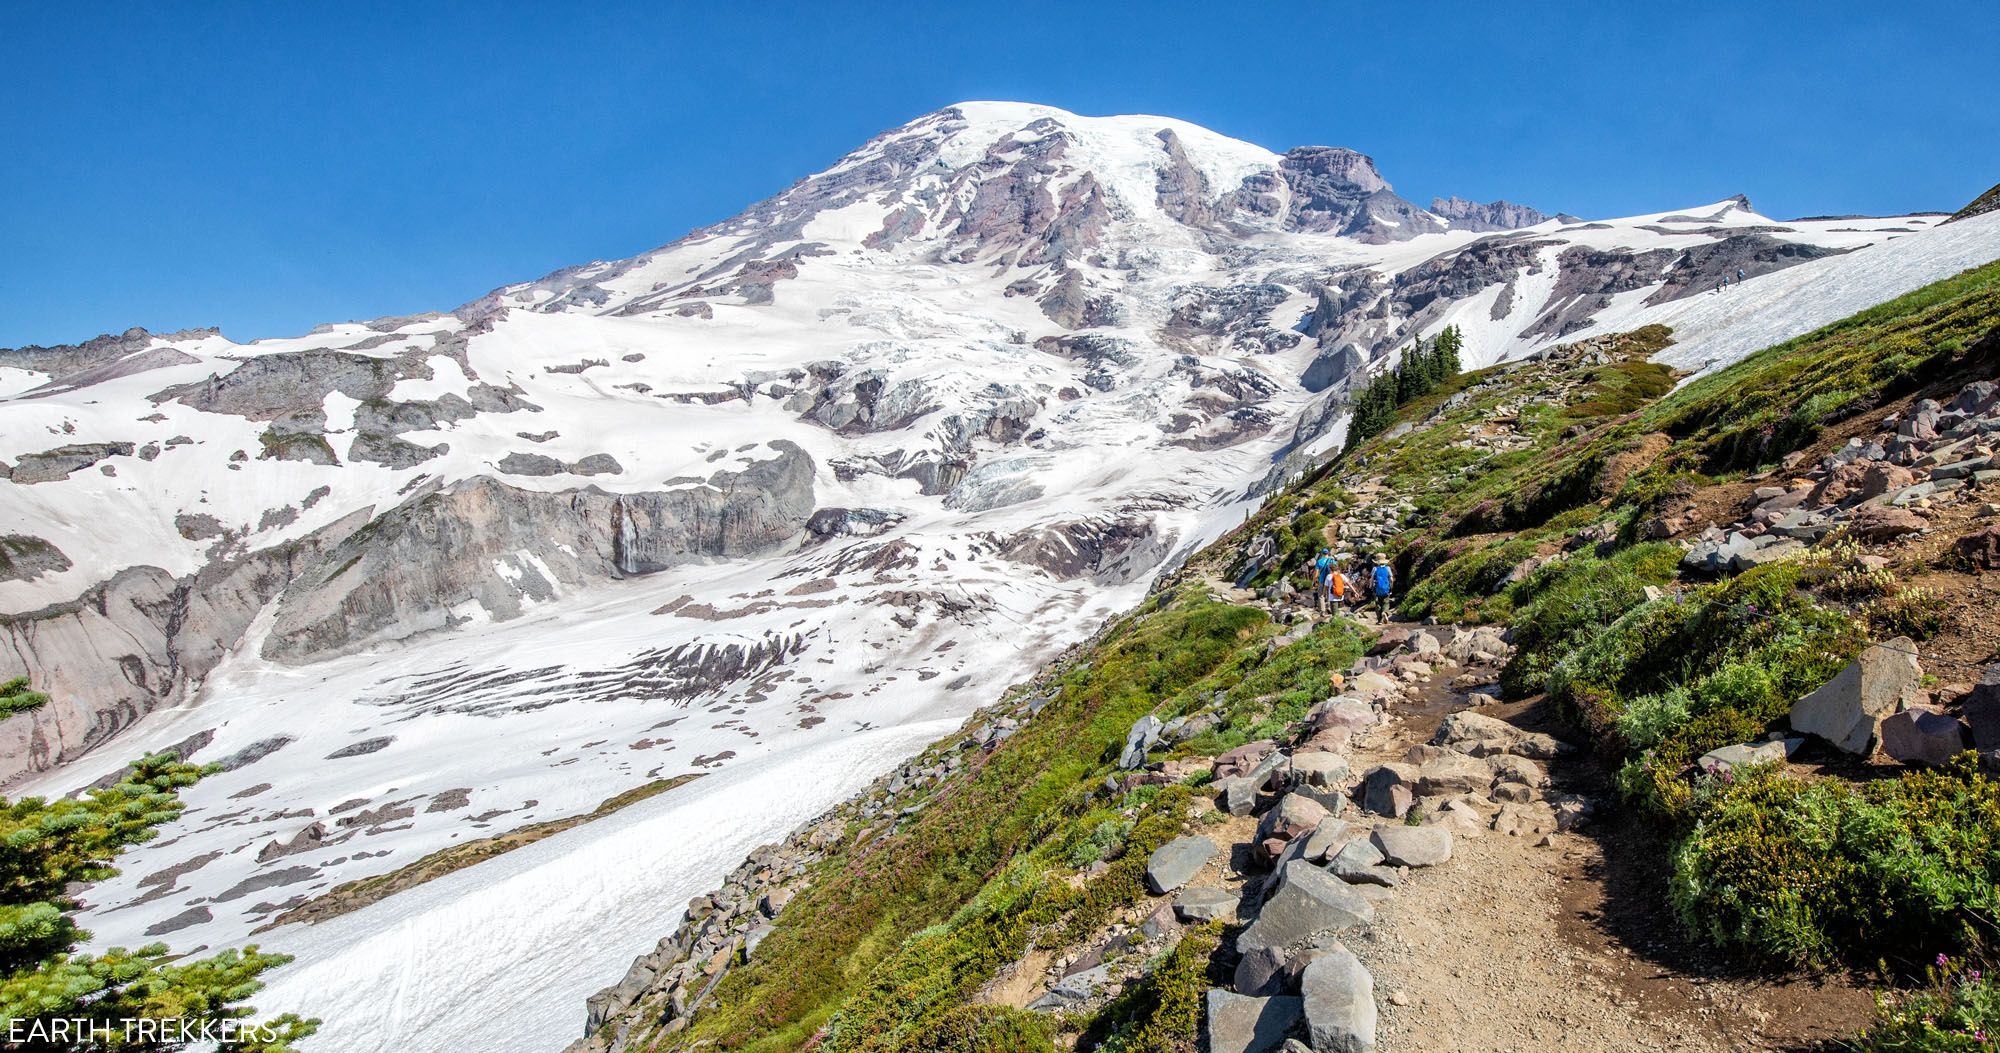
1449	343
137	1000
1420	370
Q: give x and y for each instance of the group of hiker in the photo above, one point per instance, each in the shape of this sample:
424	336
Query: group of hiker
1723	282
1369	584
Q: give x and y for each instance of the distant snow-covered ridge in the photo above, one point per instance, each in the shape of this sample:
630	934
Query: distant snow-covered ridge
853	459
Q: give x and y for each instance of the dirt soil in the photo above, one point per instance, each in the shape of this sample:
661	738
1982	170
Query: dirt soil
1571	947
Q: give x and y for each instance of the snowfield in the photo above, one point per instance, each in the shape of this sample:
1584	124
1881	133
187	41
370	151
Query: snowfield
1028	359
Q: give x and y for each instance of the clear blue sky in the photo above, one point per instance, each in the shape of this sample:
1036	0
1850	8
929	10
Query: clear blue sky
267	166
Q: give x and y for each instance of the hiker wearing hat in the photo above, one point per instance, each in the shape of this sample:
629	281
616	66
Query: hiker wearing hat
1384	582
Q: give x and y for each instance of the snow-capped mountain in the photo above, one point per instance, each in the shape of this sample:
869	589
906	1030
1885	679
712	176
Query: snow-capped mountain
778	501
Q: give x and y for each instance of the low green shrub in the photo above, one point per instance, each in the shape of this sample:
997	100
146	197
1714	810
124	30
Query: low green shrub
1571	600
986	1029
1751	644
1162	1012
1463	585
1956	1011
1816	873
1918	613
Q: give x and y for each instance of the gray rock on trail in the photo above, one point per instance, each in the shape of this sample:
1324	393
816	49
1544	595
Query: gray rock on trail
1309	902
1198	905
1339	998
1081	985
1295	815
1328	838
1413	846
1923	736
1360	863
1452	773
1177	862
1389	789
1145	734
1847	710
1237	796
1320	770
1482	736
1241	1024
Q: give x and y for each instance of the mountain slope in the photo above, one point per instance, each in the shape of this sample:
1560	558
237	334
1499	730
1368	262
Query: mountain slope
839	466
1004	890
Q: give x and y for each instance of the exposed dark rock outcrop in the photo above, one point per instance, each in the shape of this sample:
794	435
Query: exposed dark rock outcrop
1494	215
1979	206
1110	551
1334	190
410	568
25	558
135	642
1183	191
1750	254
51	465
62	362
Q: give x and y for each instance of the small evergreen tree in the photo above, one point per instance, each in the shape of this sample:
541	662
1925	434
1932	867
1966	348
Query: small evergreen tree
1448	344
1419	371
118	1000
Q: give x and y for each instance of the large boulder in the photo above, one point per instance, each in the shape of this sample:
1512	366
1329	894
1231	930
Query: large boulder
1482	736
1413	846
1389	789
1294	815
1847	710
1372	684
1144	735
1345	713
1241	1024
1452	772
1982	710
1339	998
1177	862
1922	736
1324	770
1876	523
1198	905
1309	902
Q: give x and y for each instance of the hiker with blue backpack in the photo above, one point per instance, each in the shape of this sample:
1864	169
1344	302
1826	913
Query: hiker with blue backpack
1382	582
1323	571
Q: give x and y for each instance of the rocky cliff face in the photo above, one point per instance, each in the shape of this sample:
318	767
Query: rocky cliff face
484	550
1318	189
1494	215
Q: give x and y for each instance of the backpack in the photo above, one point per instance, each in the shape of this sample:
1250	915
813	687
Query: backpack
1382	580
1339	585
